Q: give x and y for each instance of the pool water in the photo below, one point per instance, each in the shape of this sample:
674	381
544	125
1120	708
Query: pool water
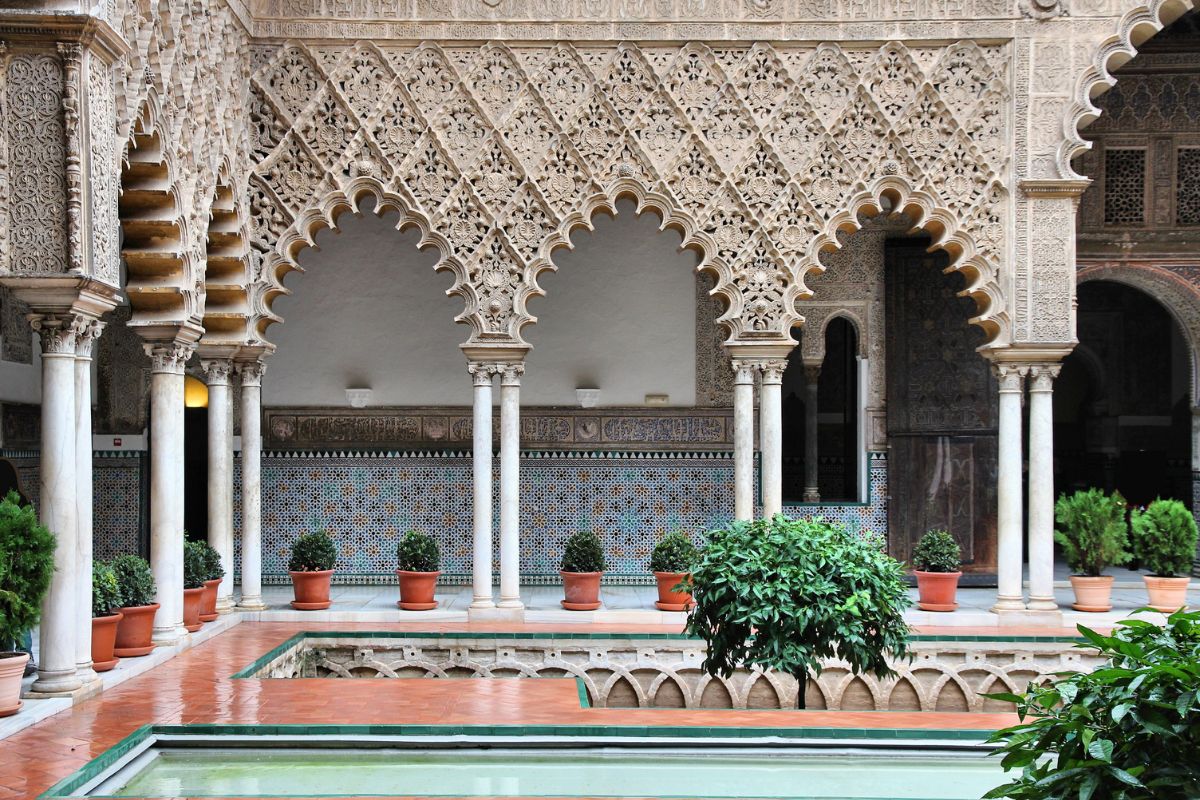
596	772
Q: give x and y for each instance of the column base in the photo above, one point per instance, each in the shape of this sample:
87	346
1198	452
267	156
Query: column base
1008	604
56	683
251	604
85	673
510	603
496	614
225	605
1030	618
812	496
168	637
85	690
1042	604
481	604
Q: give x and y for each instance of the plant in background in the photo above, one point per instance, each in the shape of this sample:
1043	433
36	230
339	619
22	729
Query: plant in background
135	580
1164	538
674	553
26	566
313	552
193	565
106	590
583	553
786	594
1130	730
1093	533
418	552
212	562
937	551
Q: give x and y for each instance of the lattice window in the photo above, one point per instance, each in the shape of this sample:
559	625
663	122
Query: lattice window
1124	187
1187	186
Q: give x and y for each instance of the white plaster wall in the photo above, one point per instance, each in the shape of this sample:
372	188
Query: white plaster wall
22	383
370	311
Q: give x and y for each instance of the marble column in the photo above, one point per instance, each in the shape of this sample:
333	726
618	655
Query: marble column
250	375
743	440
481	457
1041	487
1009	533
88	331
220	472
771	425
58	508
812	481
167	486
510	486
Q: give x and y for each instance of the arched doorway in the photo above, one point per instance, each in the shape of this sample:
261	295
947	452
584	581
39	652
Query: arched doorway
1122	407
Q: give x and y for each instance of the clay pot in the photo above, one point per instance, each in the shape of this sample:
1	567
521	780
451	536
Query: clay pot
12	669
1092	593
135	631
1167	594
581	590
416	590
312	589
208	602
936	591
668	598
104	639
192	598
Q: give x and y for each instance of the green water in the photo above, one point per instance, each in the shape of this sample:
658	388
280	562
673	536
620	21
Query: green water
563	773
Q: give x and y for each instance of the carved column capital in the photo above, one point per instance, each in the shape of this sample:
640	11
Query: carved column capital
510	374
250	372
169	358
743	372
217	370
1041	377
772	370
1011	377
57	332
87	331
812	373
483	372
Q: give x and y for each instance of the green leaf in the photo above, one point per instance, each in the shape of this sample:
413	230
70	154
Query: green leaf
1101	750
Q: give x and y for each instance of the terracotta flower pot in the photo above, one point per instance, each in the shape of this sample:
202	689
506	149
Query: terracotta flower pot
104	639
12	669
416	590
1092	593
581	590
312	589
208	603
1167	594
135	631
937	590
668	598
192	598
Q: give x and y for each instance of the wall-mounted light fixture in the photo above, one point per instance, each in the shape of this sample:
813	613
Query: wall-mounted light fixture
358	398
588	398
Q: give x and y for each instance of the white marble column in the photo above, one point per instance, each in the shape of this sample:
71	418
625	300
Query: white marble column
812	487
250	374
1041	487
1009	533
481	457
743	440
771	424
88	331
220	472
167	486
57	503
510	486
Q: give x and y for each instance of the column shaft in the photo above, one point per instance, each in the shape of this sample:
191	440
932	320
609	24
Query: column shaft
251	373
481	456
1009	594
58	504
812	489
1041	487
167	487
743	440
771	422
220	474
87	335
510	486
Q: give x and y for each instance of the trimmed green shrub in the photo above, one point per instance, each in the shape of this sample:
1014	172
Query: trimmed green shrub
1092	530
106	590
937	551
212	562
1164	538
418	552
26	566
135	580
583	553
786	594
313	552
1130	730
193	565
674	553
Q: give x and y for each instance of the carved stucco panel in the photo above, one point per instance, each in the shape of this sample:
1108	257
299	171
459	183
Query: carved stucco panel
104	173
1051	270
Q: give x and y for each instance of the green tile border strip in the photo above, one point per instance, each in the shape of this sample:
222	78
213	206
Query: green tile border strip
89	771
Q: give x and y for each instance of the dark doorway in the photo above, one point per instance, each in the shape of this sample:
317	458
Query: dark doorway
195	459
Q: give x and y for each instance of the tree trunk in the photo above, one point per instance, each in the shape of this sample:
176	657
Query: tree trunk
802	688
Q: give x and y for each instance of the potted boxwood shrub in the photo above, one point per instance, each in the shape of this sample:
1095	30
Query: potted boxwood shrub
1164	542
1093	534
671	561
193	585
213	572
106	614
417	556
582	566
26	566
787	594
311	569
136	626
936	561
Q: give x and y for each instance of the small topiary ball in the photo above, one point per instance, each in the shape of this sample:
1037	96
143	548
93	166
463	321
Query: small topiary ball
193	565
674	553
583	553
313	552
937	551
106	590
418	552
135	579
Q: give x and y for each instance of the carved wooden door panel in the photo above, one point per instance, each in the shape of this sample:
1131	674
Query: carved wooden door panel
941	410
